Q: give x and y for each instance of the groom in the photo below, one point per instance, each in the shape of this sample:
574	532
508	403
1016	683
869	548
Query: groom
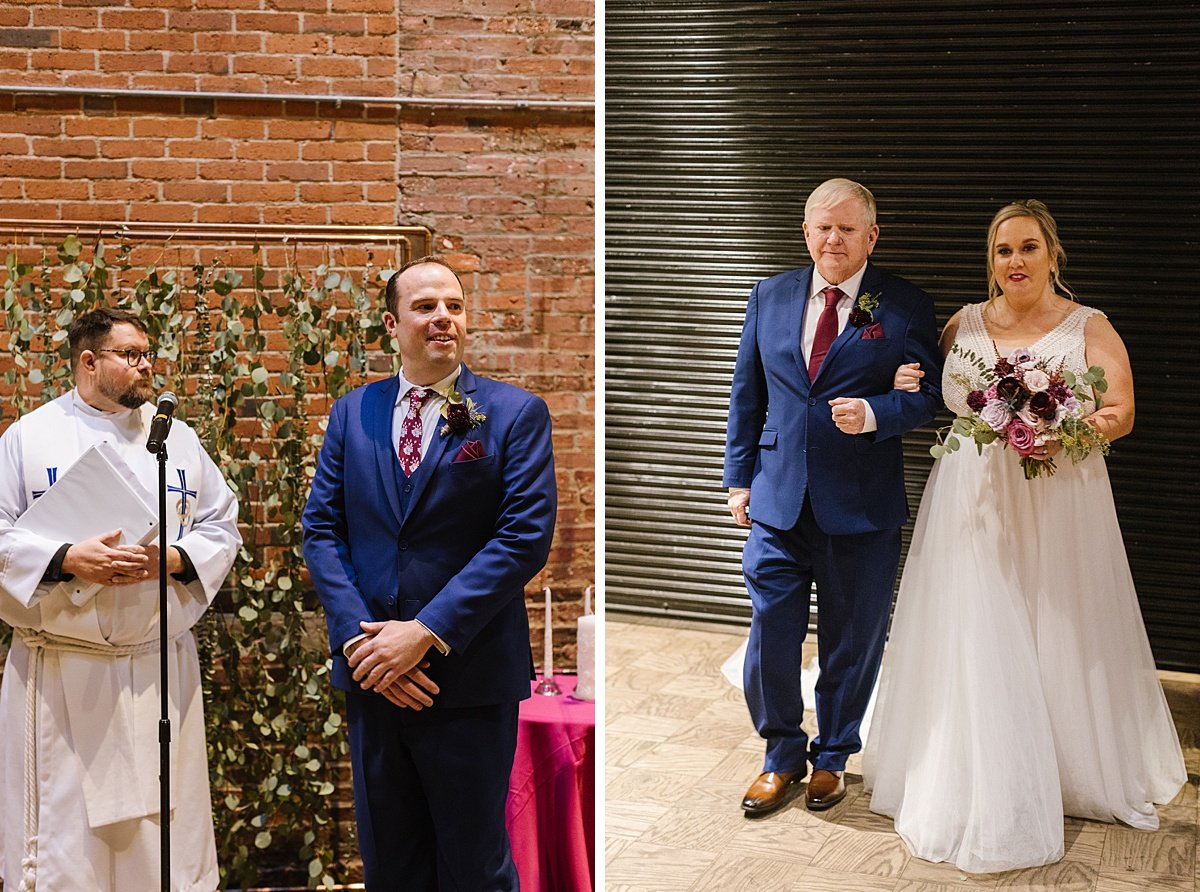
432	506
814	467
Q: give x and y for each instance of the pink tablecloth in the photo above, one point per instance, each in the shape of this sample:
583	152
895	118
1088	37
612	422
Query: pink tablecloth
552	793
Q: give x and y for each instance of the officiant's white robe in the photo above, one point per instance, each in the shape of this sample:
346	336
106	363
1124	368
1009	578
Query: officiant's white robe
79	704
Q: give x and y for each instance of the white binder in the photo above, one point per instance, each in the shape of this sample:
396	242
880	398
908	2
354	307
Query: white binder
96	494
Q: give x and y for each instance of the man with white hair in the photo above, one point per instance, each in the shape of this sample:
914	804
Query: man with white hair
814	467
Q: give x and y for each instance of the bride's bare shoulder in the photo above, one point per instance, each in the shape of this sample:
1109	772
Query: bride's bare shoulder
950	332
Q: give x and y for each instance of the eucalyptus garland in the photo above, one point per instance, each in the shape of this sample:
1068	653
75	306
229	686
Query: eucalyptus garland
257	355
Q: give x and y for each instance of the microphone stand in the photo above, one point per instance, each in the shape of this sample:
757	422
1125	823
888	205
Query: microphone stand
164	722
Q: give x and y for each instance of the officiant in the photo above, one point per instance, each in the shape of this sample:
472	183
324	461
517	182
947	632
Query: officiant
79	704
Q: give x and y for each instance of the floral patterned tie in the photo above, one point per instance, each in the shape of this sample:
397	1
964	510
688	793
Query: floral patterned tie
411	431
827	331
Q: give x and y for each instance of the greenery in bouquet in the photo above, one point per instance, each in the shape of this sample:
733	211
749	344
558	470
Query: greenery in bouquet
1023	402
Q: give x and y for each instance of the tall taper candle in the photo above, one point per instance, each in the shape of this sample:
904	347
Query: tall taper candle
548	658
585	643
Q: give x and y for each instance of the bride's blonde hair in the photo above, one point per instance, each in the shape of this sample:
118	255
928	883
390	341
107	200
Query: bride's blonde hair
1029	207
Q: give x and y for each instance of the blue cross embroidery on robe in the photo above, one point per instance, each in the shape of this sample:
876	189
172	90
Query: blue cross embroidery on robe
181	508
52	475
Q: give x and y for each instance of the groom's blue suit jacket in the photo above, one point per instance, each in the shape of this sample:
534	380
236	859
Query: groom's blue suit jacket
781	440
455	551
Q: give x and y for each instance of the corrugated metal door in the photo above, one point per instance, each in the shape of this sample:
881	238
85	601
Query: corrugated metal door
721	117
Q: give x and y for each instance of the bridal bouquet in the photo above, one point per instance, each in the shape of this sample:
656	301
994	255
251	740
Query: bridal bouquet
1024	402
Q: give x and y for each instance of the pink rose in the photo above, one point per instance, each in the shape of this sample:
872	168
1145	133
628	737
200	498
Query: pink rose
1021	437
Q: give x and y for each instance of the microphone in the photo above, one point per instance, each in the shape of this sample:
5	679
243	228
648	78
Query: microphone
161	425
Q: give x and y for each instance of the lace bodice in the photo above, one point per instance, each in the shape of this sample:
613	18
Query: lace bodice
1065	341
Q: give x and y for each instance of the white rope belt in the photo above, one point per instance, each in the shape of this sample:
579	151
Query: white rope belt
38	643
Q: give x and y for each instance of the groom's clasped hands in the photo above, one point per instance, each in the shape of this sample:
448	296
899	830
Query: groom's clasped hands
390	660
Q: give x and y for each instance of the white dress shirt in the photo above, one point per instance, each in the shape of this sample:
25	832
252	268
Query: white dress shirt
812	312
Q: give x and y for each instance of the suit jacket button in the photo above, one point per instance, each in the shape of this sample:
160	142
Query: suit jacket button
391	601
403	545
812	402
408	487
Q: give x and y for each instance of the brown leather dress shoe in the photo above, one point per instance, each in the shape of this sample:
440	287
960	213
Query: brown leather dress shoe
825	790
770	790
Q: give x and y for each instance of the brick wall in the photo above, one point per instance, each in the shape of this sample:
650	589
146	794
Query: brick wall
508	192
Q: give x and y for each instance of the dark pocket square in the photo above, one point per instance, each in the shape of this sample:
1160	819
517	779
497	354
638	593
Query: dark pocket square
470	451
873	331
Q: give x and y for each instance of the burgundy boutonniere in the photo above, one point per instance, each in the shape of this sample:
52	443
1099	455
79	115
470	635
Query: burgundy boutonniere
861	314
462	415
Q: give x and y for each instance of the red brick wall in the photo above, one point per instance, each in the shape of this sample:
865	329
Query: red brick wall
508	193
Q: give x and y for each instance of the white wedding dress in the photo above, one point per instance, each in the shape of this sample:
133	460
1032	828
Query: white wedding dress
1018	683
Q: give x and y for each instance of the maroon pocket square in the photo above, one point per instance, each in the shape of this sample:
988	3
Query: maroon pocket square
470	451
873	332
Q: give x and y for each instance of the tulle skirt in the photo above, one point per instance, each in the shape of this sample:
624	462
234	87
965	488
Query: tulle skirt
1018	684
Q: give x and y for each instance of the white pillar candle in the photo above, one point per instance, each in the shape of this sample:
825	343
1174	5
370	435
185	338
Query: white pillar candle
548	657
585	639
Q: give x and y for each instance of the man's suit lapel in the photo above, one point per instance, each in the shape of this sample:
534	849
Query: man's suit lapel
801	287
378	417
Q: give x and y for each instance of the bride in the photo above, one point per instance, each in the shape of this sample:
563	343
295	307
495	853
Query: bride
1018	684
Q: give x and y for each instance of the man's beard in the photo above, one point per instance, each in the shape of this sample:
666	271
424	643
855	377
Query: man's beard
136	396
133	397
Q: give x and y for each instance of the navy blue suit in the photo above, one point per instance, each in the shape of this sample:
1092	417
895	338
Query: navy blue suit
824	505
453	546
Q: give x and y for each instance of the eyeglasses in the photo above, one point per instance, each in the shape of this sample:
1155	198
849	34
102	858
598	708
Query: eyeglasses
134	357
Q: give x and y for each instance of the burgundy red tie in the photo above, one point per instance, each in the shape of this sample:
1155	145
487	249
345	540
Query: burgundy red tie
827	331
411	431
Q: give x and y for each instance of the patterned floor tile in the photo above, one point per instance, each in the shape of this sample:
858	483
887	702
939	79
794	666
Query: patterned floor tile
681	751
1065	876
853	851
1172	854
650	868
818	879
732	872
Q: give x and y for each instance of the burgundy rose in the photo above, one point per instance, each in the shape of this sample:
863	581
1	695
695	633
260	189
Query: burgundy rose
1009	390
1060	391
1043	405
976	400
1021	437
860	317
458	417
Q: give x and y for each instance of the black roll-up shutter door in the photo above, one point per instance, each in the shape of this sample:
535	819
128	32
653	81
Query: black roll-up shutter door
721	117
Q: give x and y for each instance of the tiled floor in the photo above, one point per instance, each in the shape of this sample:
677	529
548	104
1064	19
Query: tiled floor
680	752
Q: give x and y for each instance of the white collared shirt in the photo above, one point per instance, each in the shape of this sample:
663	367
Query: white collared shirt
813	308
431	409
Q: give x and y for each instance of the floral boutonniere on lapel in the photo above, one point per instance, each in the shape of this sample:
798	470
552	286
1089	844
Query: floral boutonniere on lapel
861	314
462	415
